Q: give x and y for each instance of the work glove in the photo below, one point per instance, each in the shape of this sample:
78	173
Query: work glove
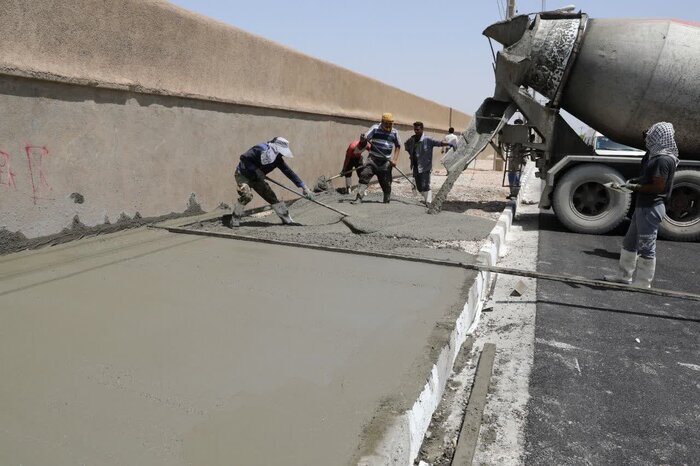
307	193
632	186
260	174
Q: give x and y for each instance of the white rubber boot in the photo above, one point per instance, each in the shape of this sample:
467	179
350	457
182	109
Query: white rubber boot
428	196
237	214
361	190
626	266
645	272
283	213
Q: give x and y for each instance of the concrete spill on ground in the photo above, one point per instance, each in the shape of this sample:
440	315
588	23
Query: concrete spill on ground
401	227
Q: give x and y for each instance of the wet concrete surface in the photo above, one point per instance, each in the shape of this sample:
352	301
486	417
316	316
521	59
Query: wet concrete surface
152	348
402	227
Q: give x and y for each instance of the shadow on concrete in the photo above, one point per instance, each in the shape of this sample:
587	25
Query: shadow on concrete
619	311
549	222
603	253
463	206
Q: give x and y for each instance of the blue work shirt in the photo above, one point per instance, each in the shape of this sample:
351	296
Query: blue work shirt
421	152
382	142
251	161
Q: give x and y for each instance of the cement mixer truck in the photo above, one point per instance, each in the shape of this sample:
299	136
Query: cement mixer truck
619	76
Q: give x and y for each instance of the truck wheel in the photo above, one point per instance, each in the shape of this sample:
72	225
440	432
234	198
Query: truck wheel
682	220
584	205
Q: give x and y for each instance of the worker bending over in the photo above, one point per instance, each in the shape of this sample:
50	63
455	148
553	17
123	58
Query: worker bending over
257	162
420	150
383	140
353	160
653	188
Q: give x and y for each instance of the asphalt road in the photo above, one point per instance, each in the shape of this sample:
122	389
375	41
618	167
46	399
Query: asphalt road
616	376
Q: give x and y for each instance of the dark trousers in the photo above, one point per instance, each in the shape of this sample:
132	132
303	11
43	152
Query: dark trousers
350	164
259	186
380	168
422	181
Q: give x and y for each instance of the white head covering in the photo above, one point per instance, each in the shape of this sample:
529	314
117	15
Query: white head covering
660	140
281	146
278	146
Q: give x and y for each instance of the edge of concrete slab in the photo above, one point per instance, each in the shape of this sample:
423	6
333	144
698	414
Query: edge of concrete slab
401	442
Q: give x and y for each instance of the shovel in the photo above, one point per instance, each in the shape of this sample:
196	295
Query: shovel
322	183
409	180
309	199
355	225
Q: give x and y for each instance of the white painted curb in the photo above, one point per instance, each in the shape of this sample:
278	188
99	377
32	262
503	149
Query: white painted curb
403	439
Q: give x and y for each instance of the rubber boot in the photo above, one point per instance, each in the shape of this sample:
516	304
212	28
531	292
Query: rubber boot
645	272
236	215
348	185
626	266
283	213
361	190
387	198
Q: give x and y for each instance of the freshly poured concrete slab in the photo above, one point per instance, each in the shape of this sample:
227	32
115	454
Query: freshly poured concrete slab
401	227
160	349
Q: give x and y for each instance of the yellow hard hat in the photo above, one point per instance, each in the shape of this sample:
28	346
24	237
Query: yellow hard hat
388	117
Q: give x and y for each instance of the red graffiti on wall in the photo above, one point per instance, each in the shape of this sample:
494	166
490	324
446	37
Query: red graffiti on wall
35	159
7	176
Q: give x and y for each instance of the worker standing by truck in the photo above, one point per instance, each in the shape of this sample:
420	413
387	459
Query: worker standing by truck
383	140
653	188
251	171
420	150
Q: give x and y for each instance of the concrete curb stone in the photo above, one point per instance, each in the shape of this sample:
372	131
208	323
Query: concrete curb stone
402	441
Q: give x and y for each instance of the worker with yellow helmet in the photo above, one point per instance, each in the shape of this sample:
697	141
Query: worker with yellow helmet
384	152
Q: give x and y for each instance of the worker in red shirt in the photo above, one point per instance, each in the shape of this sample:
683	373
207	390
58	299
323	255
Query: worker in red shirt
353	160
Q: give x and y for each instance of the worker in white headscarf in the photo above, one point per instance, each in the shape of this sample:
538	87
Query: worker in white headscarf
251	172
653	188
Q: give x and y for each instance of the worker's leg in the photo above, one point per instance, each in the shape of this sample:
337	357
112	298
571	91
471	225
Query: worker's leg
365	174
648	222
423	185
628	255
245	195
384	177
514	165
358	167
280	208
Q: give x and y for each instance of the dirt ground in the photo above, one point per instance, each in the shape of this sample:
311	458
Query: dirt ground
479	191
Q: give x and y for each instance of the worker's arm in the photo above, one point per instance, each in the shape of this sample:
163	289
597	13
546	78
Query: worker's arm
395	158
293	177
656	186
662	170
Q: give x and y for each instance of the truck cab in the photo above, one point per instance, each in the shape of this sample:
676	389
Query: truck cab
602	145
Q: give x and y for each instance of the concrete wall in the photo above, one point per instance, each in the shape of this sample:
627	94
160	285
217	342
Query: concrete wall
140	109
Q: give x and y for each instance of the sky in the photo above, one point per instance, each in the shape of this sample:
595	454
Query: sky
433	49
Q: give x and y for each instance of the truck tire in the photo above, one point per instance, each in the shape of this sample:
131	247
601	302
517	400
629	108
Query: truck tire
584	205
682	220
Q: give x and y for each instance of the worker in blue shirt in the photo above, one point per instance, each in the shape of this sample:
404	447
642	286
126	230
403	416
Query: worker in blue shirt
254	165
383	156
420	150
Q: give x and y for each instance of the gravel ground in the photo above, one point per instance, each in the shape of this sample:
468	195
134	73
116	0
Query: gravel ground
479	191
